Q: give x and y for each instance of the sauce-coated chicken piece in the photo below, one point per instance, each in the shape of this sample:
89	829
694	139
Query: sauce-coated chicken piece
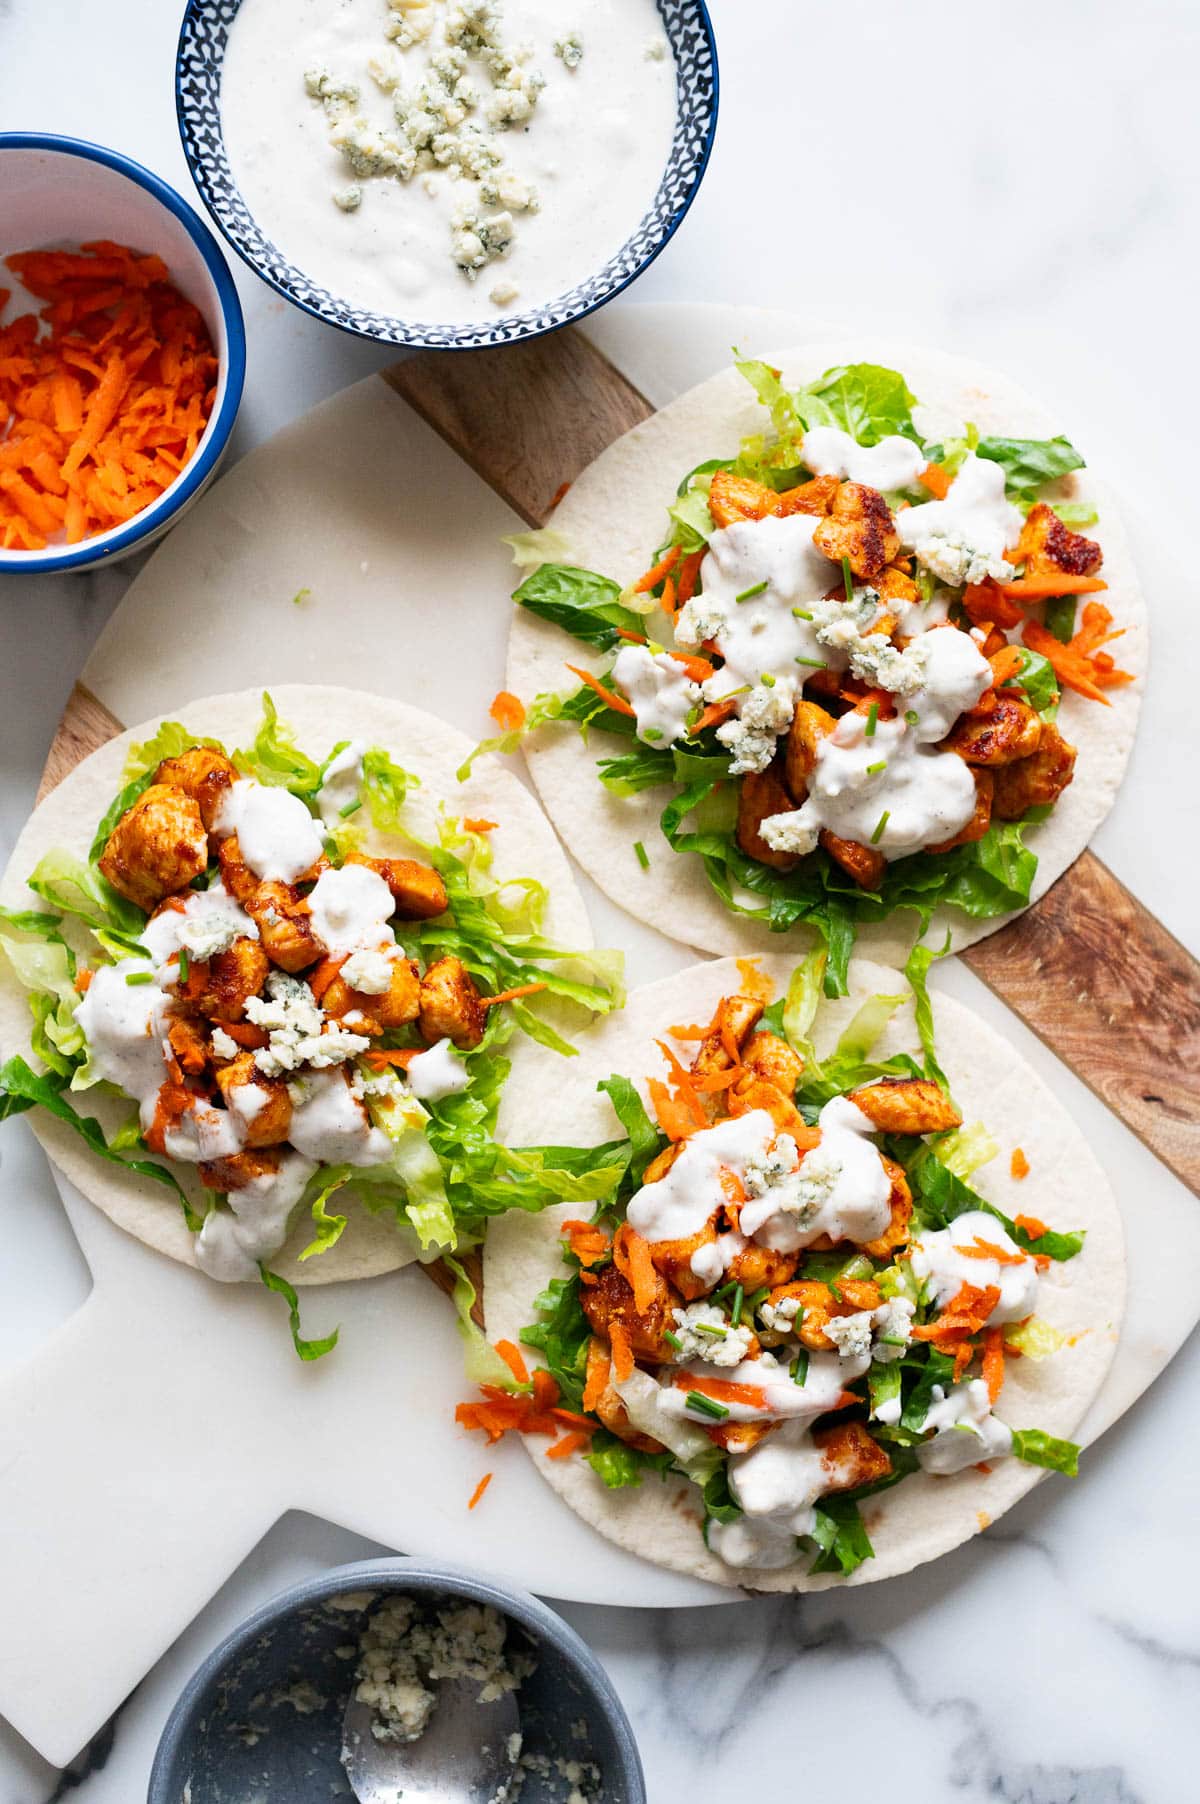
157	847
850	1456
861	529
906	1105
864	863
610	1299
762	793
417	889
1036	781
202	773
818	1304
1047	547
450	1005
810	725
1012	730
981	819
220	987
261	1104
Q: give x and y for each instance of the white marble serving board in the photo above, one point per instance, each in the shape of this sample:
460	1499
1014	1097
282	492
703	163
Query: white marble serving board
183	1404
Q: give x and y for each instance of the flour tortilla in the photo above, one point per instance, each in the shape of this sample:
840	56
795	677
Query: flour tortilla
612	518
924	1516
524	846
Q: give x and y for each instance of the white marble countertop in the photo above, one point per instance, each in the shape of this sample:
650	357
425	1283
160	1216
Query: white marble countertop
1031	206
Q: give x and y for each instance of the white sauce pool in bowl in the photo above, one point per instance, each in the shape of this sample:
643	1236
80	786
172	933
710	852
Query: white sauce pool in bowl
594	148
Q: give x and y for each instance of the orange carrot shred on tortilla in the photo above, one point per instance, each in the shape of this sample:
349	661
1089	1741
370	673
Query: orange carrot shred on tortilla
573	1419
586	1241
1006	664
624	632
379	1059
599	1369
324	975
937	480
966	1313
608	696
1031	1225
718	1081
987	1249
689	575
117	364
545	1389
712	716
562	489
1048	588
658	571
622	1350
480	1488
686	1032
1019	1165
683	1087
570	1443
674	1117
993	1361
513	1358
476	824
721	1390
508	711
522	989
631	1256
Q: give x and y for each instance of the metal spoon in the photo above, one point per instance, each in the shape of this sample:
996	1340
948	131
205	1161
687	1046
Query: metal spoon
462	1757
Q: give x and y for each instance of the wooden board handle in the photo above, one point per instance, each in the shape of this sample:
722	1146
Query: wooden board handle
1087	968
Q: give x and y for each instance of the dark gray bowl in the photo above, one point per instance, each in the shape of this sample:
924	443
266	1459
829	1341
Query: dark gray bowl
261	1718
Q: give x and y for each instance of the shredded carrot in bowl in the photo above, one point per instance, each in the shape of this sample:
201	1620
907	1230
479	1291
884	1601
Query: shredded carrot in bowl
104	395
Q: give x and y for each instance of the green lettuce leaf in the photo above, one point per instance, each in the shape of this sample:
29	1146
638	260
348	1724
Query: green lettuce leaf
1030	463
1059	616
561	1334
308	1350
384	789
1034	1338
645	1141
275	758
916	970
330	1228
941	1197
967	1148
1039	1449
585	605
45	965
542	546
481	1362
866	400
1037	678
841	1536
79	889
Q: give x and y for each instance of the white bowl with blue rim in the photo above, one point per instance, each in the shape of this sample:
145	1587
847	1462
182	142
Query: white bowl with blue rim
58	193
198	69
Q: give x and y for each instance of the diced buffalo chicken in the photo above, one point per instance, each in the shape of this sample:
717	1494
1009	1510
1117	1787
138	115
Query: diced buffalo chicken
239	1169
861	529
1034	781
772	1059
757	1266
1012	730
203	774
267	1125
739	1437
608	1406
815	497
399	1004
450	1004
754	1092
981	819
732	498
894	585
760	794
189	1042
284	924
1048	548
673	1258
818	1304
221	986
896	1234
864	863
850	1456
810	725
610	1299
157	847
417	889
734	1020
906	1105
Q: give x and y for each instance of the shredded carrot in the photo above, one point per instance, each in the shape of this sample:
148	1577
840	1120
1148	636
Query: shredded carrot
324	975
699	669
589	1243
1072	667
689	575
545	1389
937	480
624	632
475	824
480	1488
508	711
1031	1225
245	1033
985	603
1045	588
500	1412
655	575
104	395
719	1080
570	1443
379	1060
987	1249
732	1187
1019	1164
558	494
721	1390
713	715
965	1314
674	1117
608	696
522	989
513	1358
631	1256
684	1089
993	1361
622	1350
687	1033
599	1369
666	600
573	1419
1005	664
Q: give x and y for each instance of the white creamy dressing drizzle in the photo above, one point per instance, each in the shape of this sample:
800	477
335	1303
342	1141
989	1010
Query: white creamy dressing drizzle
330	1123
125	1026
760	635
894	463
232	1242
208	922
351	910
936	1260
888	791
975	515
277	836
593	150
340	784
437	1073
840	1188
827	1377
659	691
967	1431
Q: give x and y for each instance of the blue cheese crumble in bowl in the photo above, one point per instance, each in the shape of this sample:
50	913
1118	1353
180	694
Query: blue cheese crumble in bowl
447	173
262	1717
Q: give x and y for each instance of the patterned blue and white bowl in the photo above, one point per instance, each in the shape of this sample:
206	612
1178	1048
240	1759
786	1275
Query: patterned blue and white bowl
202	41
57	191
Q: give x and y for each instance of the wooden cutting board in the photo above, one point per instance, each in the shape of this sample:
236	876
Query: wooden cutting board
387	503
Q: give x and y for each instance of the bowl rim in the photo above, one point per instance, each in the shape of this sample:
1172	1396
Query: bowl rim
395	1573
193	476
419	337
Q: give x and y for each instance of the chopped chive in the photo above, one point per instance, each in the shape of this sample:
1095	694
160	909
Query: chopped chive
834	1292
874	769
767	680
673	1340
711	1328
735	1313
184	965
848	578
912	717
752	591
801	614
706	1406
300	596
813	663
880	825
892	1340
643	857
350	808
800	1369
872	719
139	977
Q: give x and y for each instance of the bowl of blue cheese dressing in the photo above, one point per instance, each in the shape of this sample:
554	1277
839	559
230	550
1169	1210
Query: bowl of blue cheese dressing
447	173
